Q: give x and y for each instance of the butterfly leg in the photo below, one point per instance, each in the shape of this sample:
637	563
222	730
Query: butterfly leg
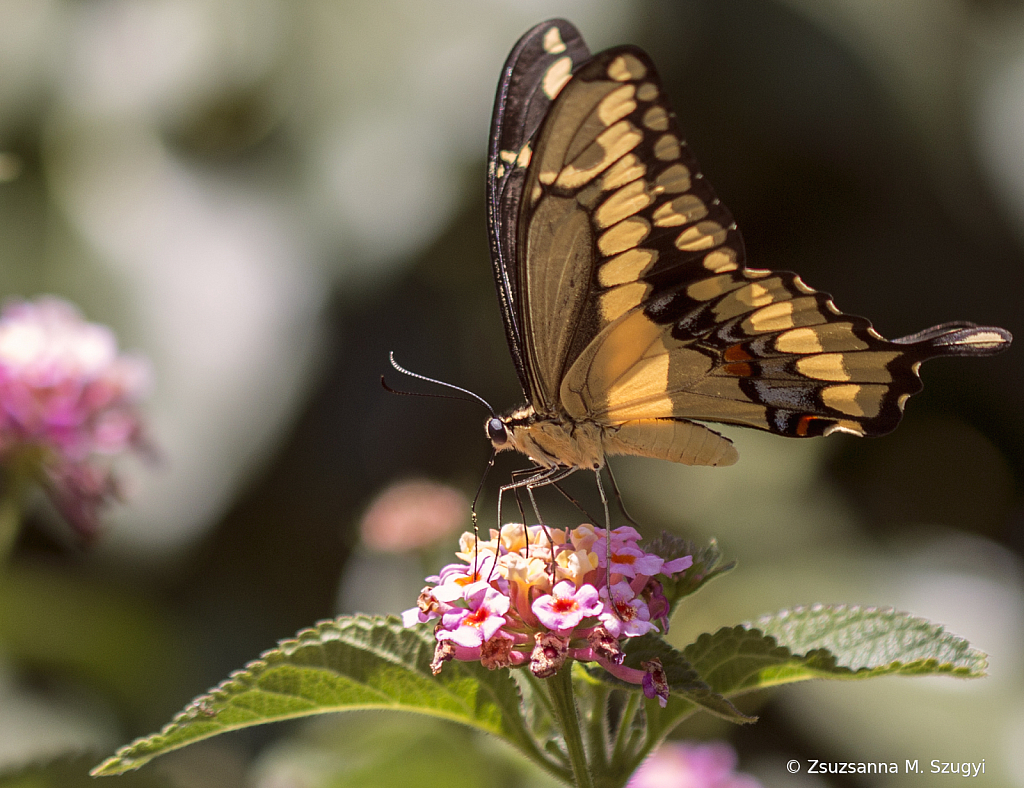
528	478
608	535
472	509
618	496
558	475
573	501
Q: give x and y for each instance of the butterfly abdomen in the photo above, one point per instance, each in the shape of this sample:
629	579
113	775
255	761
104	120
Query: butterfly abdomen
562	441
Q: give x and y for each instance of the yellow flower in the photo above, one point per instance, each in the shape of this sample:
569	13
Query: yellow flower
574	565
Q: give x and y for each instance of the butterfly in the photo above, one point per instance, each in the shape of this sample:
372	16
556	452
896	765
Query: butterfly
629	312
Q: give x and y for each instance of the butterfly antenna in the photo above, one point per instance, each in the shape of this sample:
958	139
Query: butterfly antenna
404	371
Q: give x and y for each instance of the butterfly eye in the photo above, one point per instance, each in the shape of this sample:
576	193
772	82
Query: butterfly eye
496	432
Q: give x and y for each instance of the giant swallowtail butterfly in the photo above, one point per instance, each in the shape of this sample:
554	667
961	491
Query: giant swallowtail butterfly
629	313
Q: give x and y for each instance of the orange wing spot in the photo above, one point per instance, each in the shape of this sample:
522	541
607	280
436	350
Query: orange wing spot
804	425
736	353
739	369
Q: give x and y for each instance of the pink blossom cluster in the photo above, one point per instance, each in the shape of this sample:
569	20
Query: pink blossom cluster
538	596
687	764
68	403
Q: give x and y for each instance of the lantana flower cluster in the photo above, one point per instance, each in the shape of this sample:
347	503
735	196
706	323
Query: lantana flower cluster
68	404
538	596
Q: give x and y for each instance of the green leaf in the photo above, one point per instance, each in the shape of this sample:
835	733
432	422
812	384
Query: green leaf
347	664
705	565
839	642
683	680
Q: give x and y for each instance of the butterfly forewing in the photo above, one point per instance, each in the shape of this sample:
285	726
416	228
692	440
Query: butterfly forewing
538	67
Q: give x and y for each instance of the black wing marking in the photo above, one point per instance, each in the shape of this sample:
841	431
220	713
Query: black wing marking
536	68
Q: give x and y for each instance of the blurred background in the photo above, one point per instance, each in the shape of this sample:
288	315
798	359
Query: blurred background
267	196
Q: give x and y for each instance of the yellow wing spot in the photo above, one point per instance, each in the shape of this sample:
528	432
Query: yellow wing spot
624	235
703	235
862	401
656	119
824	366
625	68
647	91
523	159
556	76
547	177
802	286
625	170
871	367
843	398
682	210
616	105
535	193
799	340
609	146
830	336
844	425
983	339
774	317
553	43
625	267
630	199
721	260
709	288
667	147
499	171
508	156
674	179
748	297
619	300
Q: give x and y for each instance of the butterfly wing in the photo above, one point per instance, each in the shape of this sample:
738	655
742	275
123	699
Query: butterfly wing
631	304
538	67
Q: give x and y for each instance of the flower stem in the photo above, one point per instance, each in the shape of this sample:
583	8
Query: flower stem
567	717
624	734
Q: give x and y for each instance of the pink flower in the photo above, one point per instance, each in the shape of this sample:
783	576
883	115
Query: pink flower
480	621
68	404
566	606
627	558
627	614
691	765
538	596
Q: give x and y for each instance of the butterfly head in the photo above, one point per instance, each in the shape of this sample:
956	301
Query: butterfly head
506	432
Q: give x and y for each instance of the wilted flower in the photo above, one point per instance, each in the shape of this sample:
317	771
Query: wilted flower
68	405
537	596
691	765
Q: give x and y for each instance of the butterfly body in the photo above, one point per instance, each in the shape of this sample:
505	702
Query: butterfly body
629	312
